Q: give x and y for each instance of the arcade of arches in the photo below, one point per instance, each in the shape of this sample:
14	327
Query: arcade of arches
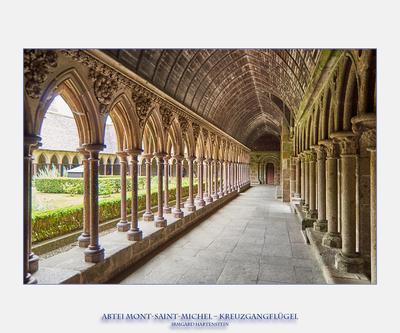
299	122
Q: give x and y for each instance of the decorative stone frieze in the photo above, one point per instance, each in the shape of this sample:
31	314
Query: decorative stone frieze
167	116
37	66
143	106
104	87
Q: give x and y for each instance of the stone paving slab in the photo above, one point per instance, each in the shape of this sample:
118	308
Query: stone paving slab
254	239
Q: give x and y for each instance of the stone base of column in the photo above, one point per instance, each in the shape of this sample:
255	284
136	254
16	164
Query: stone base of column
209	199
84	240
304	207
312	214
349	264
160	222
200	203
332	239
167	210
148	217
190	207
33	263
178	213
215	196
221	194
321	225
182	205
94	254
123	226
135	235
29	279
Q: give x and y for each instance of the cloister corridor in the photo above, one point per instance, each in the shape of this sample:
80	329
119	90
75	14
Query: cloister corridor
254	239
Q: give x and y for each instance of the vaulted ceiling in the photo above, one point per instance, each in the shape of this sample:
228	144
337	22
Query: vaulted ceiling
245	92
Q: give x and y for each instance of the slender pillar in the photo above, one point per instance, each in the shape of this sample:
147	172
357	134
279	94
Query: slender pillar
297	193
208	181
148	215
178	213
306	181
312	212
321	224
225	171
105	169
190	202
31	261
215	194
200	201
160	221
94	252
372	151
35	166
221	179
167	209
332	238
134	233
205	175
84	238
123	224
303	176
347	259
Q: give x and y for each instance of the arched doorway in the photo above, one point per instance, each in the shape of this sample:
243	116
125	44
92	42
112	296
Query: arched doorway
270	173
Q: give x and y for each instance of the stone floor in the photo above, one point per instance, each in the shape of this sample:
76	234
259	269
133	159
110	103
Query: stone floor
255	239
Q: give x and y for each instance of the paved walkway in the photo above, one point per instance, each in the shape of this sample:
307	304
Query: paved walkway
254	239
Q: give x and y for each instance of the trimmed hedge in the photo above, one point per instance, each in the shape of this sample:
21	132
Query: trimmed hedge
58	222
107	185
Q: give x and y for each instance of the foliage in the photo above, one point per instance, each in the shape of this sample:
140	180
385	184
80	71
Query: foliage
58	222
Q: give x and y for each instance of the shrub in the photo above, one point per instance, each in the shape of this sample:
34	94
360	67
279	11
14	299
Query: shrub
58	222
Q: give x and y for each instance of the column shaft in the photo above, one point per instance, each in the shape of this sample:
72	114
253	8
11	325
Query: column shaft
160	220
134	233
178	213
190	202
123	224
94	252
148	215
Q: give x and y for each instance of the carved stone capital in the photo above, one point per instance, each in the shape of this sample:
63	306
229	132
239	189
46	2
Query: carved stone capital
37	66
331	148
368	138
321	152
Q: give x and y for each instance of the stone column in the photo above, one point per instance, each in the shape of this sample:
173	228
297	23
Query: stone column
231	177
208	181
134	233
297	193
215	194
364	127
205	174
190	202
160	221
225	173
321	224
178	213
372	151
200	170
332	238
312	212
292	181
302	178
105	169
148	215
221	179
167	209
347	259
306	181
123	224
84	238
31	261
94	252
